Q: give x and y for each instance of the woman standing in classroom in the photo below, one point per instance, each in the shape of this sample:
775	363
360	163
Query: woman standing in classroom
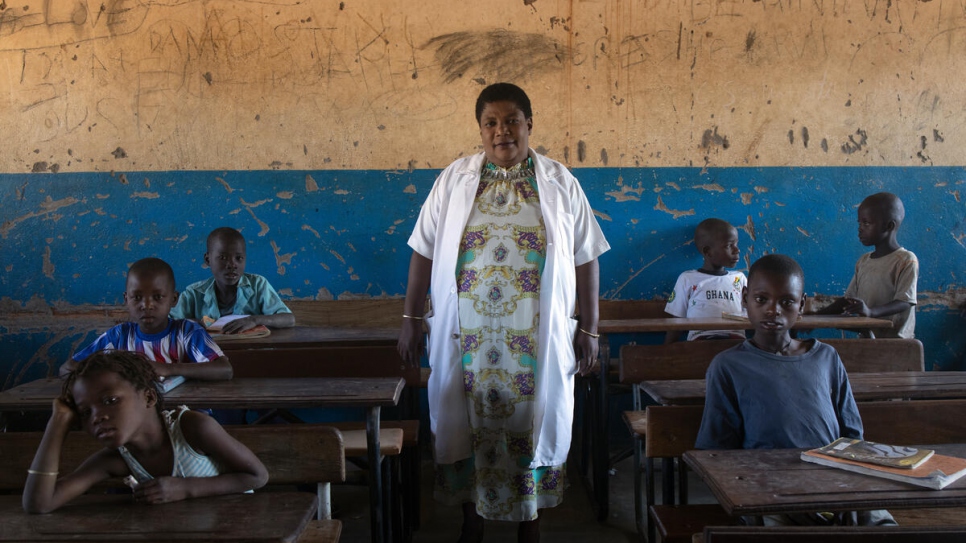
507	244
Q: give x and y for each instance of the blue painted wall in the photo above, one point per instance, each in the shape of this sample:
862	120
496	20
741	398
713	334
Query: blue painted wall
66	239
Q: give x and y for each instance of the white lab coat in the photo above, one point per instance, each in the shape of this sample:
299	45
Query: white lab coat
573	238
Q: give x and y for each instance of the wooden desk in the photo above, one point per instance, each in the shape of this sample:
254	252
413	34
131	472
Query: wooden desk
807	322
314	336
911	385
267	517
599	402
259	393
768	481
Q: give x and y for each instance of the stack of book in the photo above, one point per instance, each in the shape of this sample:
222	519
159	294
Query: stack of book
920	467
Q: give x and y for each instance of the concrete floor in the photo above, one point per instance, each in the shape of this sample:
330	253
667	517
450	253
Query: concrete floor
574	520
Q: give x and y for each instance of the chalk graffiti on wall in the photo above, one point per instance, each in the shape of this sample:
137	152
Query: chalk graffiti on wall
219	84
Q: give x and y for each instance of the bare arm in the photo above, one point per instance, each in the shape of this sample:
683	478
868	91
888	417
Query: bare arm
858	307
216	370
44	490
242	470
835	308
410	342
587	346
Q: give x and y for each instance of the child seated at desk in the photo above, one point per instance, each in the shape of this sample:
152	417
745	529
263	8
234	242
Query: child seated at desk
149	294
115	396
884	283
231	291
774	391
710	290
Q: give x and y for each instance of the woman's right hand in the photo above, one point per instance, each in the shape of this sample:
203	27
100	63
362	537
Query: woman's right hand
410	344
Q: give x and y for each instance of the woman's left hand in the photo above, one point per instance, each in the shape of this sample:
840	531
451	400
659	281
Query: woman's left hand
586	348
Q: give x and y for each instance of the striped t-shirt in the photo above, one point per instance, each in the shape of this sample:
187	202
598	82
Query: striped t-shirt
180	341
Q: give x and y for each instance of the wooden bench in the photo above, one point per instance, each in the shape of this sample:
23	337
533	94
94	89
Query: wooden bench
833	534
672	430
690	360
399	440
293	455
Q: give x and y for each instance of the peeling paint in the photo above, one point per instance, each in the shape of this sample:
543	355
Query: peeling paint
626	194
803	231
673	185
281	259
324	294
674	213
749	228
310	184
603	216
342	192
711	187
337	255
746	197
48	266
310	229
410	189
145	195
760	189
617	291
264	227
285	195
46	207
225	184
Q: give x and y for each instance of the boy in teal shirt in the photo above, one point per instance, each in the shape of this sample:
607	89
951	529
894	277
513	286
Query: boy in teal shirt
231	291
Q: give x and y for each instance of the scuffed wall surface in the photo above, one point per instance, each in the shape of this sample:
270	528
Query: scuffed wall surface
342	234
219	84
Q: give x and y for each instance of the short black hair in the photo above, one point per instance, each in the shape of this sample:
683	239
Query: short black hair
887	206
131	366
152	266
226	233
777	265
708	229
503	92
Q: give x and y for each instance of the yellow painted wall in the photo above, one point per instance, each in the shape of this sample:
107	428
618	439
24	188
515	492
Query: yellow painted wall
227	85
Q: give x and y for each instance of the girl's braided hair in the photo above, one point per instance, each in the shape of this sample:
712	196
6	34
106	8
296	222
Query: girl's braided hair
131	366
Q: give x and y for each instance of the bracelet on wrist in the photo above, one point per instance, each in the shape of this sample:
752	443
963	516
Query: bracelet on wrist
413	317
591	334
35	472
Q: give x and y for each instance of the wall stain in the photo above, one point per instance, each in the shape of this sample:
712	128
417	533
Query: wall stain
581	151
937	137
603	156
677	214
853	145
711	137
825	145
504	54
119	153
805	136
791	137
614	293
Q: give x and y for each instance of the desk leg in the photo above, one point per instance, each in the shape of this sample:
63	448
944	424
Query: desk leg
375	472
601	453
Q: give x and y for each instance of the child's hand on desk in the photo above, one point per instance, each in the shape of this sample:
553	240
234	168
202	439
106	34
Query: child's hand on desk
239	325
855	306
162	490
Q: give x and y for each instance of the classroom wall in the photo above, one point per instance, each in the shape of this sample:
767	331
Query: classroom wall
317	128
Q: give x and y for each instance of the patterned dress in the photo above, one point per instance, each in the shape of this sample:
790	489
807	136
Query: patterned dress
500	263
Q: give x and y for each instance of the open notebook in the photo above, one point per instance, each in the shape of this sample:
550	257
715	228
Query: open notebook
214	329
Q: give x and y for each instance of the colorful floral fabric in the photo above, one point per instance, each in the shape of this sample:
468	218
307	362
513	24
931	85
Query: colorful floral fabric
501	259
